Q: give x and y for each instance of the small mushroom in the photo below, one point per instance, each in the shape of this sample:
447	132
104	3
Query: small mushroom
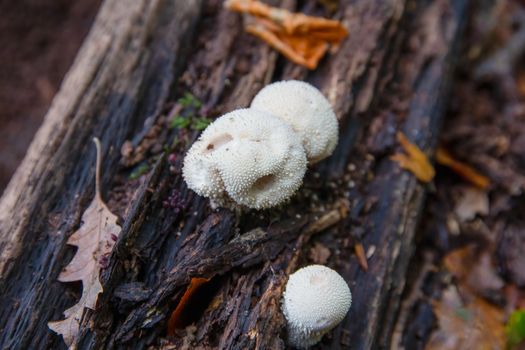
247	157
316	299
307	110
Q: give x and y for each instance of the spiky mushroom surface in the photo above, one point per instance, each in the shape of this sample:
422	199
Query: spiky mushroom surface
316	299
307	110
247	157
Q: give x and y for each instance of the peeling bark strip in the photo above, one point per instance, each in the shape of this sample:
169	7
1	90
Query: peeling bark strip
390	74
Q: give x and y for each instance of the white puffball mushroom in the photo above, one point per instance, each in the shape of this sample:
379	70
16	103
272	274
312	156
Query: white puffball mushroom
307	110
316	299
248	157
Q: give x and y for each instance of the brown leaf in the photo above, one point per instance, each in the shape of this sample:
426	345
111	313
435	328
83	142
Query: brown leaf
465	171
474	270
414	160
472	202
319	254
475	324
95	239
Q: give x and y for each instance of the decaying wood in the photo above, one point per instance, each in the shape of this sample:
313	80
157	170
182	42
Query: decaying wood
121	77
389	75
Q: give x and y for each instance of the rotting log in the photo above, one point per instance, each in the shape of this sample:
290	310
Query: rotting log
390	74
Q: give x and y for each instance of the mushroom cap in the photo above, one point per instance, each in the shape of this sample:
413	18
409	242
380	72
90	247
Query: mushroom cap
200	173
307	110
316	299
246	156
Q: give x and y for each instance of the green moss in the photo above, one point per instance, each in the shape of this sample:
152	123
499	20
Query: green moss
200	123
139	171
188	116
515	329
188	100
180	122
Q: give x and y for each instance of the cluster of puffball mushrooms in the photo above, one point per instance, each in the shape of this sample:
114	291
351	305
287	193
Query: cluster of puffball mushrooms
257	157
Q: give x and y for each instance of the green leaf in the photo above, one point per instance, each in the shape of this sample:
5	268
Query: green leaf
515	329
138	171
180	122
188	100
200	124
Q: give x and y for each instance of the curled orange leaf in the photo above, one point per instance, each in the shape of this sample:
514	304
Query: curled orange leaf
361	256
176	321
302	39
414	160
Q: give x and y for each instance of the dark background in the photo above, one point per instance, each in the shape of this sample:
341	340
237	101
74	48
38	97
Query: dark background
38	43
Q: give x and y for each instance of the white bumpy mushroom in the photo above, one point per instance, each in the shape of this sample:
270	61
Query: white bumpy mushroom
247	157
316	299
307	110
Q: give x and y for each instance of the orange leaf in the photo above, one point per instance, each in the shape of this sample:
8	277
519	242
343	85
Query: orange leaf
302	39
414	161
520	82
175	321
465	171
304	51
361	256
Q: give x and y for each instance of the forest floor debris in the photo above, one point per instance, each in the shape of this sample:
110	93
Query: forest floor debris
474	290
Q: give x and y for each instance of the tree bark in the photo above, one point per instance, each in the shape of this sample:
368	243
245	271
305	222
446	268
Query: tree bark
390	74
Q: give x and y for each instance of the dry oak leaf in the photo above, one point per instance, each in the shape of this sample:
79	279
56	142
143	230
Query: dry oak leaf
414	160
95	239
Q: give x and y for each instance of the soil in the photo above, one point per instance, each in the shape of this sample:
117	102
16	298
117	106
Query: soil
39	42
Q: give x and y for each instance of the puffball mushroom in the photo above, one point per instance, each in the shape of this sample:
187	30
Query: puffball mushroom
316	299
305	108
248	157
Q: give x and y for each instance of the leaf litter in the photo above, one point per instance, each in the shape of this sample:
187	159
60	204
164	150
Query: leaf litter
466	323
476	231
95	239
415	160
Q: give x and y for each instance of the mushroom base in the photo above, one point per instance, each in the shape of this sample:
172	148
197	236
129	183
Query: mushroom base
303	339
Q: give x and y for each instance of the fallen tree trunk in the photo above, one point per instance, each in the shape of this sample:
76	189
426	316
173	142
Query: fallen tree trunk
390	74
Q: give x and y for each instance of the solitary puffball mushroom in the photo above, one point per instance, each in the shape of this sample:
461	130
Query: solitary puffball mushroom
247	157
307	110
316	299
